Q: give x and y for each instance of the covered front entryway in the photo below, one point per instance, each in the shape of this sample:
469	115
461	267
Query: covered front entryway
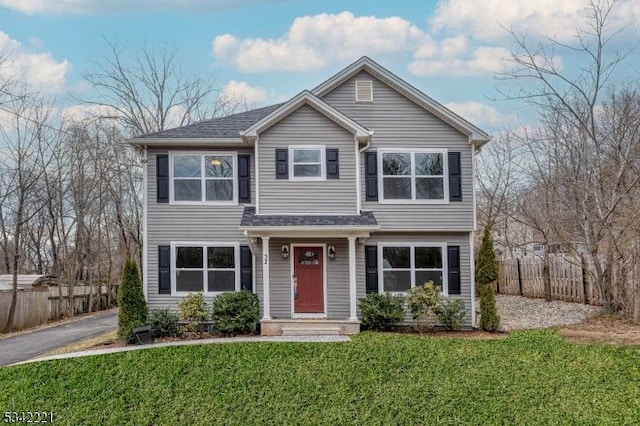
308	281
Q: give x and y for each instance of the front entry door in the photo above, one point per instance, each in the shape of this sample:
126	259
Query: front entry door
308	288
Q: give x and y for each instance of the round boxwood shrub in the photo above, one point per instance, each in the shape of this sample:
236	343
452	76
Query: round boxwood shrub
133	307
381	311
235	313
193	310
164	323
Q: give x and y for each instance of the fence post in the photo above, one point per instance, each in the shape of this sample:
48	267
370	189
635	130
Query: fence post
585	282
519	277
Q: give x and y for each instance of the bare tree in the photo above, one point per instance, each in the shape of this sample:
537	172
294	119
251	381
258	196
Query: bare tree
585	167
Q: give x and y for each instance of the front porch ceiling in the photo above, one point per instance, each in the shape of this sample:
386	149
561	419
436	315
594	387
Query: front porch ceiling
292	232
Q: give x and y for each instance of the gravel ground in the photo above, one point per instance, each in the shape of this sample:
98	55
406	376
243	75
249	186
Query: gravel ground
520	313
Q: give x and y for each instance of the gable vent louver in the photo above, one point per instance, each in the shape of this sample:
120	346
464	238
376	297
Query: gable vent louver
364	91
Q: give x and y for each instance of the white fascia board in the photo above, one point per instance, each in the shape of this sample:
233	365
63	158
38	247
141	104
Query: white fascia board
477	135
185	141
307	98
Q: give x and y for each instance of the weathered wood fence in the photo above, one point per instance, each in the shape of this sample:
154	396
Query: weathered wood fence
38	305
569	280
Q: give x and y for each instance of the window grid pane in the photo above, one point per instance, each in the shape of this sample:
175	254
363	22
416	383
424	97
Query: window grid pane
202	175
404	267
413	176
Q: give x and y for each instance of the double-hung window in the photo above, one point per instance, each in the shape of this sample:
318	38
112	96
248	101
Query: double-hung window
205	178
406	265
307	162
414	176
210	268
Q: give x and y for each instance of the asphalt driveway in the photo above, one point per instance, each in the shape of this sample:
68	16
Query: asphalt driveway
25	346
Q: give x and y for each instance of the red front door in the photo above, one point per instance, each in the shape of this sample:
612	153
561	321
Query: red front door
308	289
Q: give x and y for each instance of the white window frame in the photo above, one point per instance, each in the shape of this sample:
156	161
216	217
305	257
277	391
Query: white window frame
205	275
413	176
412	268
203	178
322	164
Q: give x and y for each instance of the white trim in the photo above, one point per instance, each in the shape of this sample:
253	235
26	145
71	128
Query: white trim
412	176
219	142
412	246
292	256
358	177
472	267
477	136
266	290
203	179
322	164
205	271
145	226
306	98
257	173
353	316
473	185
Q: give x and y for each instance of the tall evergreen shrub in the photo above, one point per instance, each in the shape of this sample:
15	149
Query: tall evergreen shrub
486	275
132	306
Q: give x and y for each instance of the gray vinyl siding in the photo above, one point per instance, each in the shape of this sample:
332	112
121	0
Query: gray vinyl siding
306	126
399	122
198	223
337	277
452	239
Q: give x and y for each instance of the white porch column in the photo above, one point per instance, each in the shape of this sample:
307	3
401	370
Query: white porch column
266	299
352	279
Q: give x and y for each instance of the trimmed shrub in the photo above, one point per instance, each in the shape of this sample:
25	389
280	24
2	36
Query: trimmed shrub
193	310
164	323
450	313
423	301
133	307
489	319
235	313
381	311
487	264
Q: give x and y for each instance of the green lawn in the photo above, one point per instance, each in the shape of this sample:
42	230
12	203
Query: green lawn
530	378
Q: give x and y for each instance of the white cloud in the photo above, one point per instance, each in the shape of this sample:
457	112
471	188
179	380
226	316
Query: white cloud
481	61
241	92
313	42
483	115
40	71
484	19
105	6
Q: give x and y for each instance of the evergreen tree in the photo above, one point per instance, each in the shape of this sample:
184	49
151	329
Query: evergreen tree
486	275
132	306
487	264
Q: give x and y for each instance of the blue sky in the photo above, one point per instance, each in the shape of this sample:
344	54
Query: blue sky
267	51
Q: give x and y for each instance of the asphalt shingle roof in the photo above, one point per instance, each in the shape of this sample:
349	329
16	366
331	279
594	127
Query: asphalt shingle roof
250	219
225	127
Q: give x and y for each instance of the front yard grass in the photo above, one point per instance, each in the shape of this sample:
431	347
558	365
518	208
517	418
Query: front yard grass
532	377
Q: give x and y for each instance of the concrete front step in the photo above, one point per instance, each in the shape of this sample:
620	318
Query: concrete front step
308	327
310	331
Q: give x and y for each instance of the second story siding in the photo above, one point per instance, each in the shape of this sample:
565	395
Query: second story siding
306	127
400	123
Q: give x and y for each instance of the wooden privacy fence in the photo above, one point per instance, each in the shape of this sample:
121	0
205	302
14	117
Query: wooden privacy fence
37	305
568	279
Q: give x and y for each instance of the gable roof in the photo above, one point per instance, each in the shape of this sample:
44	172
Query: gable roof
228	127
477	136
307	98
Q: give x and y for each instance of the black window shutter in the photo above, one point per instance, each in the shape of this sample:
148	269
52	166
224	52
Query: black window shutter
371	268
333	165
455	177
246	268
244	178
162	178
453	262
164	269
282	163
371	175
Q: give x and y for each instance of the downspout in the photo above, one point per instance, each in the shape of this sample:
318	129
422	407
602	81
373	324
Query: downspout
145	247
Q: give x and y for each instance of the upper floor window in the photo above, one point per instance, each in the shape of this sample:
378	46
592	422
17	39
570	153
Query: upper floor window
307	163
207	178
415	176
